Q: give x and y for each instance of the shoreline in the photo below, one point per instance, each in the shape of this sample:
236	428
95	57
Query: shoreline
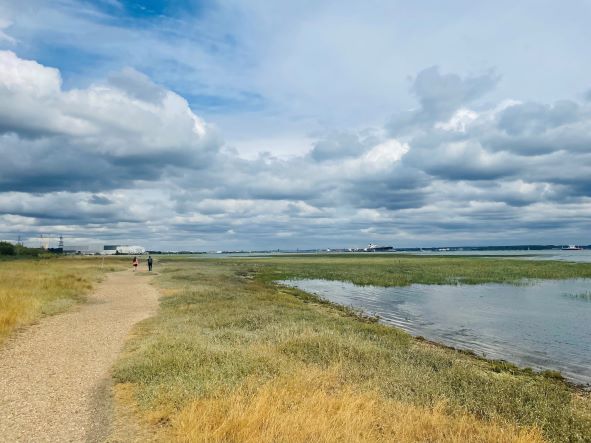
361	315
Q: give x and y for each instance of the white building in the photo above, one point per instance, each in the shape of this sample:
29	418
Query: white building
130	250
123	250
109	250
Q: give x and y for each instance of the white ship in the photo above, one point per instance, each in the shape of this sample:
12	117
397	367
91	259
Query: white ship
572	248
375	248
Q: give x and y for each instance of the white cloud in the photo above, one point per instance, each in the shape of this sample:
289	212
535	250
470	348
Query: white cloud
459	121
27	77
385	154
104	118
5	24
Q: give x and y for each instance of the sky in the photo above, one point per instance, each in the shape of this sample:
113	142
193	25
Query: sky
209	125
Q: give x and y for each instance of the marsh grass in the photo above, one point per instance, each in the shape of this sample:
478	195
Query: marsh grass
401	270
318	405
30	288
583	296
231	357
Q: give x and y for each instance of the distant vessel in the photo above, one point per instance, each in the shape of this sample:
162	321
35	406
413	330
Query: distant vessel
572	248
375	248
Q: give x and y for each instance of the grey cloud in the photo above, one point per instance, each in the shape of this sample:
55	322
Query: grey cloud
63	208
463	161
383	196
341	145
98	200
470	169
202	228
401	187
440	94
56	163
534	129
534	118
573	140
137	85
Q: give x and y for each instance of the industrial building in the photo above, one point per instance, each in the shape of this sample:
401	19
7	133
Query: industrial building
123	250
77	249
90	249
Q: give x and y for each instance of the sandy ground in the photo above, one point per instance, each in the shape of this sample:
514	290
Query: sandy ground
55	384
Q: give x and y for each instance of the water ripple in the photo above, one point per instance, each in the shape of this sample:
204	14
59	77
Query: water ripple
544	324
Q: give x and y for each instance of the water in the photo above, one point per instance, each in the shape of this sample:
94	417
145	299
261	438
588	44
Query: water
543	324
583	256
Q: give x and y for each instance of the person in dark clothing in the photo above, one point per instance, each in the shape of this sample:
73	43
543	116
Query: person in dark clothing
150	263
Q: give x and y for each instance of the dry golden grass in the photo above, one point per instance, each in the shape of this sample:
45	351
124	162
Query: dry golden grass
318	406
36	287
128	426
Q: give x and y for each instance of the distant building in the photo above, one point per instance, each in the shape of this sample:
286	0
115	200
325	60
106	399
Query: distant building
131	250
123	250
89	249
77	249
109	250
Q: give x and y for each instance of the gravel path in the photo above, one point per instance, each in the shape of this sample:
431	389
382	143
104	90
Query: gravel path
54	376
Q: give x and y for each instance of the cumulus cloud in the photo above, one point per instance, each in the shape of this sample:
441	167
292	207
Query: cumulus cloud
105	136
546	146
126	158
336	146
441	94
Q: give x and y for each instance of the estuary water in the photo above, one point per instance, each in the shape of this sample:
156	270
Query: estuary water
583	256
543	324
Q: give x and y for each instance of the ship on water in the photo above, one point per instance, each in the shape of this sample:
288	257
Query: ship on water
375	248
572	248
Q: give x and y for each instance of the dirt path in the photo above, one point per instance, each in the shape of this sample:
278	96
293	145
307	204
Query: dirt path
54	376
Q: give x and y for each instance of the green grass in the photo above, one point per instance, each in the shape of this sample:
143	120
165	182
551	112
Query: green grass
223	329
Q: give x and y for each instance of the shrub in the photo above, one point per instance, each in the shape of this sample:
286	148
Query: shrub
6	248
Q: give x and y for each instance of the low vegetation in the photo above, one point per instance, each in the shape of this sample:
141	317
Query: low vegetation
233	358
402	270
10	251
30	288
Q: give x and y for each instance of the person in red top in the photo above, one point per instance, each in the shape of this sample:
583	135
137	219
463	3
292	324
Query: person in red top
135	262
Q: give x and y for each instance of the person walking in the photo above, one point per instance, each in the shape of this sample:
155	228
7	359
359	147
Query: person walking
135	263
150	263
